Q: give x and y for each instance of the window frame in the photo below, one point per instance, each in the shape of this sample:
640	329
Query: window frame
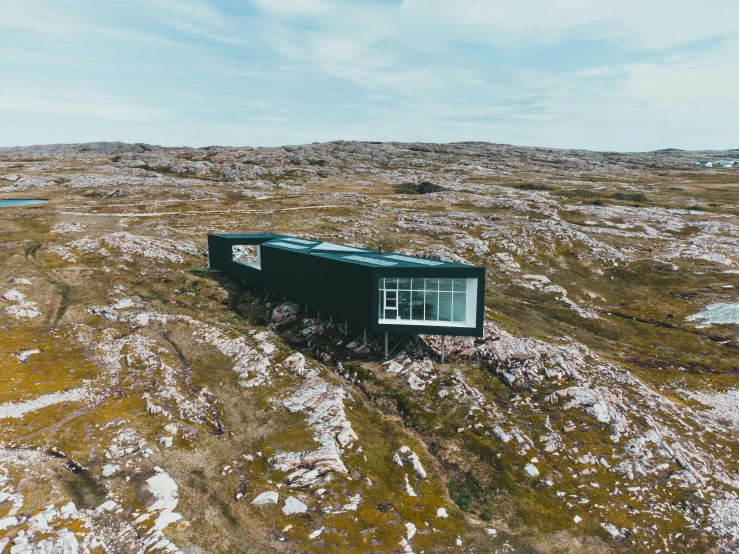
455	291
257	263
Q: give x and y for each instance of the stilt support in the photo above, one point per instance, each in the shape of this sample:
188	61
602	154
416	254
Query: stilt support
346	328
365	337
387	348
442	349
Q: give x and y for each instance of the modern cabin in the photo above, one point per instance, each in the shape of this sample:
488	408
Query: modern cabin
380	292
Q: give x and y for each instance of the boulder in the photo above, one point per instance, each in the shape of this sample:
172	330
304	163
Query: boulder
285	312
269	497
293	506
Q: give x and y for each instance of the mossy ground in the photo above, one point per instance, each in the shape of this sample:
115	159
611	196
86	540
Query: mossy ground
642	307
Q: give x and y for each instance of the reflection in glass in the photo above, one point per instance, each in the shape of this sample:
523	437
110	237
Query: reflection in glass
404	304
417	305
414	299
432	305
459	308
445	306
446	284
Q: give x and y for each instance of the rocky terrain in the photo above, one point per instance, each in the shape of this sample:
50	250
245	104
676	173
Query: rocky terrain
152	405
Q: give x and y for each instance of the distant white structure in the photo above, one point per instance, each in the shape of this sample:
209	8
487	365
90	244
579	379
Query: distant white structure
720	163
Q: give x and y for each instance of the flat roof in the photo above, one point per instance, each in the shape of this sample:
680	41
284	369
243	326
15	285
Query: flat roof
347	254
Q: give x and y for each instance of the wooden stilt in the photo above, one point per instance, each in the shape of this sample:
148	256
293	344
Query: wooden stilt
387	349
442	349
365	336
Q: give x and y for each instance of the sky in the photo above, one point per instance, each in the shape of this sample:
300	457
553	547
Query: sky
626	75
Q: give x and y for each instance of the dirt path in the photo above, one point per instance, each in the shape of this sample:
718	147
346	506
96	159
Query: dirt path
198	212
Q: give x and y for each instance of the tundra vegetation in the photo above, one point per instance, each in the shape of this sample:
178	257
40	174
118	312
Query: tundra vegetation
150	404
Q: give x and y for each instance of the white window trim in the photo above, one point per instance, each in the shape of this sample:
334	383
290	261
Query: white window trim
424	323
470	313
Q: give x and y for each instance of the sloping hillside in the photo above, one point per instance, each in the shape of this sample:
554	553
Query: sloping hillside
152	405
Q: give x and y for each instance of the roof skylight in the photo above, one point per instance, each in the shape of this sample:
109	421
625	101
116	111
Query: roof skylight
288	245
368	260
421	261
300	241
331	247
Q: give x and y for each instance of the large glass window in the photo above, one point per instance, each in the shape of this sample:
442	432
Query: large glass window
416	299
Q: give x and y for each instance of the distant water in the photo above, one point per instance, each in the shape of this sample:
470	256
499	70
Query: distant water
716	314
20	202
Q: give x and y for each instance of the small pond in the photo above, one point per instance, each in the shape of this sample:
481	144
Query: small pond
7	203
716	314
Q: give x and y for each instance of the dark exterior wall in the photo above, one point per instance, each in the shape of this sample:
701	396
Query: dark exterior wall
348	292
322	283
220	247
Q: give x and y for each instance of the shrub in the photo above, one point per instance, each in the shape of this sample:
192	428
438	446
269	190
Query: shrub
534	186
406	188
631	197
426	187
157	168
585	193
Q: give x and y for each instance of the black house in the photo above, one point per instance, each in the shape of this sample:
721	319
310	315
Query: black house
378	292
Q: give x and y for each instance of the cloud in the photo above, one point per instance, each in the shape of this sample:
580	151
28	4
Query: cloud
589	73
598	71
294	7
81	104
16	56
51	20
639	24
197	17
706	86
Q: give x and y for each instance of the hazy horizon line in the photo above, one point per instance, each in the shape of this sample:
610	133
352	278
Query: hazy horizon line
158	145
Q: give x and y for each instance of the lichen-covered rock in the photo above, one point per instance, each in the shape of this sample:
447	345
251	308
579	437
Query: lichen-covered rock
293	506
581	248
598	402
324	405
405	455
135	247
285	312
269	497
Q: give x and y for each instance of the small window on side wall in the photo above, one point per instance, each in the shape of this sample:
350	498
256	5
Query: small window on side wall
247	254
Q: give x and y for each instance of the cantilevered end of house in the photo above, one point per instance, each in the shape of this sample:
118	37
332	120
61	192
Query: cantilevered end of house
379	292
